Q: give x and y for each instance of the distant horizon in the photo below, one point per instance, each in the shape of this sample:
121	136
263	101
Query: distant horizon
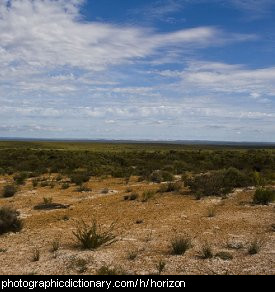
179	141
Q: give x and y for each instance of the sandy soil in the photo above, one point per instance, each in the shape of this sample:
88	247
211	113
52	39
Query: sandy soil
235	225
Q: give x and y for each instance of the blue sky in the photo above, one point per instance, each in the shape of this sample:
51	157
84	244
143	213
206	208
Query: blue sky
134	69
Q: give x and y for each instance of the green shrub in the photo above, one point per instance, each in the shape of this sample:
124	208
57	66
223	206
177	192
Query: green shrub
167	176
217	183
147	195
35	183
9	191
20	178
263	196
156	176
9	220
79	178
83	188
65	186
170	187
92	237
180	244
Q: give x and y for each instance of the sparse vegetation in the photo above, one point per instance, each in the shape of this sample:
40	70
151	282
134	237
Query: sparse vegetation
92	237
264	196
9	220
180	244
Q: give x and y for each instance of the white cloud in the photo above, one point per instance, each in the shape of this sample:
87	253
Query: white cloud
226	78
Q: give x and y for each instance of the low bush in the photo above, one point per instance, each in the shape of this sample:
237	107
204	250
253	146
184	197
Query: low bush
108	271
83	188
170	187
147	195
263	196
255	246
9	191
180	244
65	186
9	220
79	178
218	183
20	178
206	252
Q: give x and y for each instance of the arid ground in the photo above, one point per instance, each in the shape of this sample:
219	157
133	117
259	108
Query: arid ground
144	231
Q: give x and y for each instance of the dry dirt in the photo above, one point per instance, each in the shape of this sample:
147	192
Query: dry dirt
235	225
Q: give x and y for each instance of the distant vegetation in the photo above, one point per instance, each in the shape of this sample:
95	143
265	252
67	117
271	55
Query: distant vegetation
205	170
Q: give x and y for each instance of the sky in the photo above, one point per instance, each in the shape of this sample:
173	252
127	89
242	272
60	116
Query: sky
138	69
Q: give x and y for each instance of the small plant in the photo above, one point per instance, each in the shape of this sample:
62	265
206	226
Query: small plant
9	191
91	236
9	220
80	265
132	255
55	245
83	188
226	256
79	178
170	187
263	196
160	266
59	177
35	182
255	246
107	271
65	186
35	255
105	191
211	211
20	178
206	252
44	184
180	244
47	200
133	197
147	195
